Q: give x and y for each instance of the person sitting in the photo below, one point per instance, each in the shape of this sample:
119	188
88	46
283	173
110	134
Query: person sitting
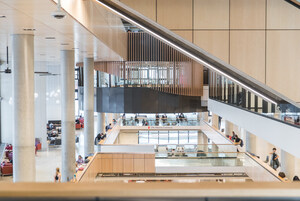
51	126
296	178
97	139
108	127
80	160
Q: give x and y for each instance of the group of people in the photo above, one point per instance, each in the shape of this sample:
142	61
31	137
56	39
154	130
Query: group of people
57	176
99	137
180	117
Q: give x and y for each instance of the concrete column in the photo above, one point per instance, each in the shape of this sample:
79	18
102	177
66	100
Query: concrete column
100	122
228	128
287	164
116	116
250	142
215	121
23	108
68	114
297	166
88	73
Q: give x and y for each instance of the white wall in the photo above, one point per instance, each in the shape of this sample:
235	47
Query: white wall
6	108
40	114
53	93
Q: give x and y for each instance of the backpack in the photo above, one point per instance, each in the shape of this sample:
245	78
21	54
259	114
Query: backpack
242	143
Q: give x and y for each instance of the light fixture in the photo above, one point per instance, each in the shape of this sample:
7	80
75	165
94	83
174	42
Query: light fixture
192	56
2	16
64	44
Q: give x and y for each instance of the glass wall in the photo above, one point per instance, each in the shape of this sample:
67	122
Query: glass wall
168	137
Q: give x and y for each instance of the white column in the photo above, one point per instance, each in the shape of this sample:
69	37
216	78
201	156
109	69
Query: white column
287	164
297	166
109	118
116	116
23	108
228	128
250	143
68	114
88	73
100	122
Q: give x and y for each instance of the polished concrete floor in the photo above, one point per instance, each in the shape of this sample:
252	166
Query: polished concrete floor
48	160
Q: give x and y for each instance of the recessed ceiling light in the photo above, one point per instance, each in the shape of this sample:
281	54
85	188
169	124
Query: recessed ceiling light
2	16
52	56
75	48
50	38
64	44
29	29
42	54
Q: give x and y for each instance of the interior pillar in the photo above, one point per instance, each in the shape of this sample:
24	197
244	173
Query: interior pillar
287	161
68	114
250	142
23	108
228	128
88	73
100	122
215	121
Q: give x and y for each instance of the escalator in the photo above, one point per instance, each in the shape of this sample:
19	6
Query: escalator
266	110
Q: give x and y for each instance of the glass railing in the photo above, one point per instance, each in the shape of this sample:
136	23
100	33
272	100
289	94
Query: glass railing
195	151
227	91
160	122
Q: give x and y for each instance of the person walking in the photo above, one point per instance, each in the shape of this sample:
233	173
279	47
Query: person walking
57	176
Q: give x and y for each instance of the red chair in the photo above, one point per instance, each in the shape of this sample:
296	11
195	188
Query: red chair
38	146
77	126
6	168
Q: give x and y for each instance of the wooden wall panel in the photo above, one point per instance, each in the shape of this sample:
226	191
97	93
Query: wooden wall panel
117	165
107	165
149	166
247	52
283	62
197	78
245	14
145	7
175	14
139	165
215	42
211	14
188	35
282	15
128	165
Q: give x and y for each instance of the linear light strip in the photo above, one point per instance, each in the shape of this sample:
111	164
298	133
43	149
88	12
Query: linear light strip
186	52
